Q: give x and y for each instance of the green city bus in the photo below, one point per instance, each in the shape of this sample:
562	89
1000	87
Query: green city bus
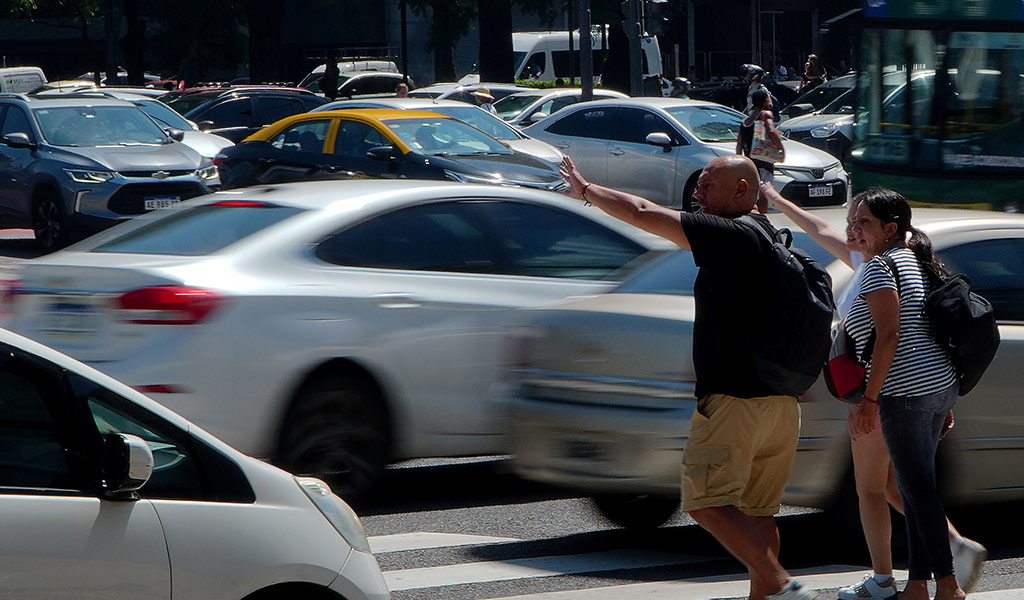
951	132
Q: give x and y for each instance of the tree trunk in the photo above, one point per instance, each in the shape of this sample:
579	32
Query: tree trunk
444	59
134	43
264	17
496	59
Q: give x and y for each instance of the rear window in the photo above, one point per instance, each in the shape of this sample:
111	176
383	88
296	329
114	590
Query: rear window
201	230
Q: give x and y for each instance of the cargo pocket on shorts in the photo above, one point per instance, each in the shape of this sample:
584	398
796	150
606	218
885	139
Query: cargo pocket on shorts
704	473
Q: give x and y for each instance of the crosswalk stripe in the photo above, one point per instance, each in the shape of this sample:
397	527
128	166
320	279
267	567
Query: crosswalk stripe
419	540
544	566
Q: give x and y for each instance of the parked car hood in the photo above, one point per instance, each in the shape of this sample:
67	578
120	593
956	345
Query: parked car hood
798	154
206	144
811	121
514	167
167	157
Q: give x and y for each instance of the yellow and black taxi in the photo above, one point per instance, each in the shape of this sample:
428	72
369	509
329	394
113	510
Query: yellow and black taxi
377	143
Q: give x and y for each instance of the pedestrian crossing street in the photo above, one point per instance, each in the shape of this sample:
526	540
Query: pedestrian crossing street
433	580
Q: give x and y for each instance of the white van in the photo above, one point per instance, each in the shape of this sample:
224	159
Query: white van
544	55
21	80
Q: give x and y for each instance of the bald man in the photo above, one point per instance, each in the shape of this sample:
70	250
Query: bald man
743	434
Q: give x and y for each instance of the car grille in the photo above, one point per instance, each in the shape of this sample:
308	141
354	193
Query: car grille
131	198
799	193
151	174
798	135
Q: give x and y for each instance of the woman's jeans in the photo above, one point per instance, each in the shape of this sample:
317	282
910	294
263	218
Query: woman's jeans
911	426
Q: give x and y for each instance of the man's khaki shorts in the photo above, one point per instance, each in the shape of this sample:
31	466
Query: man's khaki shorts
740	452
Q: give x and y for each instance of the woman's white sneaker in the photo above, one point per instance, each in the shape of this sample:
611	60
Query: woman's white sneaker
968	556
869	589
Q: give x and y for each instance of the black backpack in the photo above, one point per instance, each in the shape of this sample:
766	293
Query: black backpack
794	344
962	321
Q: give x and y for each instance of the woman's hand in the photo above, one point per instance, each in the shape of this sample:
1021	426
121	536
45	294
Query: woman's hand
572	176
861	420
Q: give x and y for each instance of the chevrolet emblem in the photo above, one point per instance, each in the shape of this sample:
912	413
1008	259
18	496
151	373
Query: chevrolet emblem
161	175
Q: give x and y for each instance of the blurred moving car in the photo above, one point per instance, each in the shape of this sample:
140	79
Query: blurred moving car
333	327
523	109
73	164
236	113
464	92
353	144
604	388
818	97
472	115
656	148
130	500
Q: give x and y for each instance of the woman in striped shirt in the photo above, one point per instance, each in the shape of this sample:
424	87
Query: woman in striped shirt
910	380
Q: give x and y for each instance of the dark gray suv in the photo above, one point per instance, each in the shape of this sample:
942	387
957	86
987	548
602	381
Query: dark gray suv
74	164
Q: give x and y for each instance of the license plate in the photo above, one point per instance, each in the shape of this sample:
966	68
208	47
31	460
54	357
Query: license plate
164	202
71	316
820	191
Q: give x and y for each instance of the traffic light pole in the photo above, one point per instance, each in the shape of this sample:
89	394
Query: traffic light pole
586	56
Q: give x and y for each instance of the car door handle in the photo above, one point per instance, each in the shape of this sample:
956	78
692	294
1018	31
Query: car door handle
329	168
398	300
561	145
616	152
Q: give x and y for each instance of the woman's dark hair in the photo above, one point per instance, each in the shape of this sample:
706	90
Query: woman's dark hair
758	98
889	206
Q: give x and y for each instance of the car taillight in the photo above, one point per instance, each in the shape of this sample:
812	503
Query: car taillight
10	290
168	305
221	157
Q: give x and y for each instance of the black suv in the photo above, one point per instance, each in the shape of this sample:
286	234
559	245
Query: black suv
238	113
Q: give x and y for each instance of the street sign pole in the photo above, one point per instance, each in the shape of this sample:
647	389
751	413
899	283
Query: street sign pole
632	28
586	55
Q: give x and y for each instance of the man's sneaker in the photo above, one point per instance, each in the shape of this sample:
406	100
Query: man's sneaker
967	558
794	590
869	589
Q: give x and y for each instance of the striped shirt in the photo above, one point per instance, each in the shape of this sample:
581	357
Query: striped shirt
921	366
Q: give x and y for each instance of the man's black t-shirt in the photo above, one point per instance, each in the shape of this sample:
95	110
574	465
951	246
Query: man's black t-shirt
728	293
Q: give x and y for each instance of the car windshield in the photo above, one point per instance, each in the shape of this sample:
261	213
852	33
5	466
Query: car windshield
426	93
479	118
510	107
197	231
445	137
98	126
163	114
187	102
820	96
709	123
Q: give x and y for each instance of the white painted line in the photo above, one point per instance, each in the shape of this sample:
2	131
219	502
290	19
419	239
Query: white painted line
544	566
702	588
1014	594
419	540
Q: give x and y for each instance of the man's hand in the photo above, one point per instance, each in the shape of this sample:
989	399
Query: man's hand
572	176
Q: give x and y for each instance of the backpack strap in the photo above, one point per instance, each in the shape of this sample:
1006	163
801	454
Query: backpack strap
895	273
782	236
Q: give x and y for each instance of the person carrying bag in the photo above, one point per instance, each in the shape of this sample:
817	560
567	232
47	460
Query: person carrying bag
759	139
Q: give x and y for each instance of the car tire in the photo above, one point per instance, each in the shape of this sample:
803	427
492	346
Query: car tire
337	430
48	223
688	204
637	511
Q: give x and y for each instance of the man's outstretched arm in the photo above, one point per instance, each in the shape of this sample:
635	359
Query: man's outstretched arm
637	211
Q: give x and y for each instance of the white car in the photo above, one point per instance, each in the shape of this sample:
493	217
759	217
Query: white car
106	494
604	389
330	326
473	115
656	148
523	109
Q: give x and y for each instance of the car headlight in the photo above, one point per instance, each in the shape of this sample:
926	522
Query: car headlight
86	176
207	173
826	130
337	512
456	176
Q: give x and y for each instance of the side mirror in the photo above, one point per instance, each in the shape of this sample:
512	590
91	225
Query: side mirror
127	466
382	153
659	138
797	110
536	117
175	134
19	140
205	125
